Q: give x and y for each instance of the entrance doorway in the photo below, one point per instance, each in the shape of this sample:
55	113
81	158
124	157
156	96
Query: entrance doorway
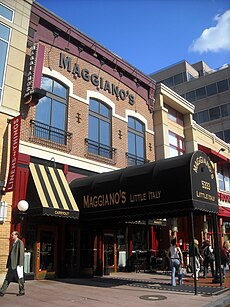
46	247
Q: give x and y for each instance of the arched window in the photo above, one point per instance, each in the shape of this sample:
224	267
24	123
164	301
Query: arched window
136	142
99	133
51	112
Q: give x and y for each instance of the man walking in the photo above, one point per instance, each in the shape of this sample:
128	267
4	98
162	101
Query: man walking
15	264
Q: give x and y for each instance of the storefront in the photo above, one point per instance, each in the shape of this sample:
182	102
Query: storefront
141	193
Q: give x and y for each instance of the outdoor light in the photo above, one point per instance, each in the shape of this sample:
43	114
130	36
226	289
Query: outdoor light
23	205
221	149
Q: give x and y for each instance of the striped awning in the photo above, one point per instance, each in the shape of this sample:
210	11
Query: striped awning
53	191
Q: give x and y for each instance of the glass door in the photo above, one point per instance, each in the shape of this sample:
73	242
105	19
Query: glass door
46	261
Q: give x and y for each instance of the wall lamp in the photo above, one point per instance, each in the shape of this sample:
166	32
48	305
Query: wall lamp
221	150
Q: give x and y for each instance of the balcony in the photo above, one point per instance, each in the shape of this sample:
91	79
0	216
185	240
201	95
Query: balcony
49	136
135	160
100	152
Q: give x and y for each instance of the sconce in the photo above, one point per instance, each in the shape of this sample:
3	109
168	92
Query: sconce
20	212
3	211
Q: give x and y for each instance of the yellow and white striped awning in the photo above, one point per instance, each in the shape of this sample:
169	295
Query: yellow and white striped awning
53	191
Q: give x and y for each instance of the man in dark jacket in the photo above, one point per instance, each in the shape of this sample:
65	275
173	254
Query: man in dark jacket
15	264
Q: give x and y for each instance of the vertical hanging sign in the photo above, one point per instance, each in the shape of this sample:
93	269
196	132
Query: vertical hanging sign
14	148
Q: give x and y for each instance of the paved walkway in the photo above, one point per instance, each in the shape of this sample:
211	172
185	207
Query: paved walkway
117	289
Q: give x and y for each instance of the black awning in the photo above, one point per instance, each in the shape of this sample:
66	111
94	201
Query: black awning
168	187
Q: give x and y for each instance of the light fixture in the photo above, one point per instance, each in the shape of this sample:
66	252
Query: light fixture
221	150
22	205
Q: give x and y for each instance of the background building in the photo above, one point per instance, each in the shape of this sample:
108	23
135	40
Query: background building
208	89
14	23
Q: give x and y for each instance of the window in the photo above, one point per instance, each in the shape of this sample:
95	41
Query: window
214	113
227	136
178	79
200	93
6	13
4	46
195	117
136	142
203	116
211	89
224	180
169	82
220	134
225	110
51	112
191	96
99	132
222	85
174	115
176	145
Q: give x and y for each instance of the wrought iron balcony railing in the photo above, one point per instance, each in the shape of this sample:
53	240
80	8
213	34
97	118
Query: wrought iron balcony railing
49	136
100	152
135	160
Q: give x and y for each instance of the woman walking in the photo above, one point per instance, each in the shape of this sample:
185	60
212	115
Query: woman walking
176	262
198	257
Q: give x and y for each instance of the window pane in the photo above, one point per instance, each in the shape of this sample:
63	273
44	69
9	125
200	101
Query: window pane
191	96
93	106
139	126
43	110
131	143
169	82
4	32
221	181
59	89
139	146
222	85
214	113
104	133
220	134
225	110
211	89
172	139
58	115
227	183
227	135
3	52
200	93
195	117
104	110
178	79
93	128
46	84
131	122
6	12
173	152
203	116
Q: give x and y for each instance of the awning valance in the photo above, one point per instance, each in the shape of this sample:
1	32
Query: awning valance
53	193
168	187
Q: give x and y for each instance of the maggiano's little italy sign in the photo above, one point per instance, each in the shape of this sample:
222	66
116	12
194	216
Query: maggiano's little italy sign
66	62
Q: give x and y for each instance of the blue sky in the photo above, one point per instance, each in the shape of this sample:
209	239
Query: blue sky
153	34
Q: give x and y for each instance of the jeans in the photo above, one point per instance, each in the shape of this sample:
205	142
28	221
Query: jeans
175	268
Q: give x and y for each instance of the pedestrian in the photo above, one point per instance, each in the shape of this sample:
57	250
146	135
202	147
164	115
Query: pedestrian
198	257
208	258
15	264
176	262
225	257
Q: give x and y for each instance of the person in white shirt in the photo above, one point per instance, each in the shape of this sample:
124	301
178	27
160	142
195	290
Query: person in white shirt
176	261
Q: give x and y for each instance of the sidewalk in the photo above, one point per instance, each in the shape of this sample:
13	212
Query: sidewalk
116	289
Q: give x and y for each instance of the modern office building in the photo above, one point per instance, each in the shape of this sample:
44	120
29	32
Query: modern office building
208	89
14	24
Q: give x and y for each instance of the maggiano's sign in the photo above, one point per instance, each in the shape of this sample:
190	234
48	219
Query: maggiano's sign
105	85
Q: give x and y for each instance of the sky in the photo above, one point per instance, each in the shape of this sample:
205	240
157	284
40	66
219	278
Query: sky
153	34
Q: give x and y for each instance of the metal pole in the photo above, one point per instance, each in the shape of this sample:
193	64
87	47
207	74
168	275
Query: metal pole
193	254
218	276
